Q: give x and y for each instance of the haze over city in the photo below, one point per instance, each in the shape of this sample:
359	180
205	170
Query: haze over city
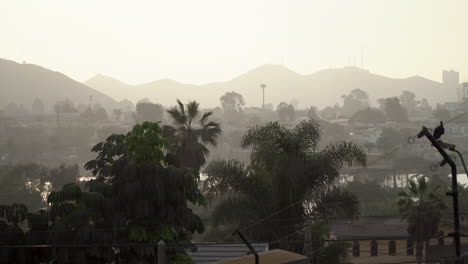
208	41
233	132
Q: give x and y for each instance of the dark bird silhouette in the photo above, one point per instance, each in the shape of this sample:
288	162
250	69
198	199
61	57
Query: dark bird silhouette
439	131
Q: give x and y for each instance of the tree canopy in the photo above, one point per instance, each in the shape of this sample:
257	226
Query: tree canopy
393	109
191	134
295	181
368	116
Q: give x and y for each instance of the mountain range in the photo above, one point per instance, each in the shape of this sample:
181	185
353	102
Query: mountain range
22	83
322	88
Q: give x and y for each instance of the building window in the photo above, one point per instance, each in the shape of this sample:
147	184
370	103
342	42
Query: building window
373	248
356	249
409	247
392	248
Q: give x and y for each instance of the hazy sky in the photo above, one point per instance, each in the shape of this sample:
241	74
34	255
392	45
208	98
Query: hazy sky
201	41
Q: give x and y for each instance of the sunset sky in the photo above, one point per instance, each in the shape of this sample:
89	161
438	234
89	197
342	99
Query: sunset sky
212	40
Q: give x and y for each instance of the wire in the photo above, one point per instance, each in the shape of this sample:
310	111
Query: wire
462	160
455	118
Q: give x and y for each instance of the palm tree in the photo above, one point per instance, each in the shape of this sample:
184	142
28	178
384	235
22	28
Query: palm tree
190	136
422	207
289	177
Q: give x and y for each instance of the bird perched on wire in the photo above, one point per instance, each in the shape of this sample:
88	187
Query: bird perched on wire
439	130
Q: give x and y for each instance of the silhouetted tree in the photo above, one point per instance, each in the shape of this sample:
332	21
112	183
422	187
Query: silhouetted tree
408	101
37	107
286	112
191	134
389	139
330	113
117	113
355	101
232	101
149	197
287	171
368	116
393	109
312	113
422	207
232	104
147	111
100	114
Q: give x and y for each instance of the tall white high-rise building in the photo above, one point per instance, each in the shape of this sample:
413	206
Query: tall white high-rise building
451	83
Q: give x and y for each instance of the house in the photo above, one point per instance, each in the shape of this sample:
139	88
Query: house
375	242
206	253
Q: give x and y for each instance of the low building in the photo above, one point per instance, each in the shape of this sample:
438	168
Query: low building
206	253
375	242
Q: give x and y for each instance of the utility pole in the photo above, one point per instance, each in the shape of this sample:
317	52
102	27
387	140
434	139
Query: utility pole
251	248
454	193
263	89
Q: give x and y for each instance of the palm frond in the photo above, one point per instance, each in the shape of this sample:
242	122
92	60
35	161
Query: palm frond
192	110
204	118
178	115
181	107
236	208
344	153
334	202
308	134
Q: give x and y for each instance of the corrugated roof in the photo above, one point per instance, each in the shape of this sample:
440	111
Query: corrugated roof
276	256
211	253
369	230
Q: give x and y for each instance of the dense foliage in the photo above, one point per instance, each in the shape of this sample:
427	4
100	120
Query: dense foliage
288	180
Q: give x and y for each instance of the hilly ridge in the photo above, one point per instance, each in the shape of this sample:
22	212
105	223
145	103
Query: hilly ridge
320	89
22	83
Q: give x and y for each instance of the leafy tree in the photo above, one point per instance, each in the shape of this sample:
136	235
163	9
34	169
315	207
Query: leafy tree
191	134
100	114
296	179
232	101
355	101
126	105
422	207
441	113
424	106
23	183
393	109
330	113
37	107
286	112
147	111
75	218
408	101
10	233
367	191
232	104
148	196
65	106
117	113
389	139
368	116
12	108
62	175
312	113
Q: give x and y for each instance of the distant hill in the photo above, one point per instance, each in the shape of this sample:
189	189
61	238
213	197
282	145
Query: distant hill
320	89
22	83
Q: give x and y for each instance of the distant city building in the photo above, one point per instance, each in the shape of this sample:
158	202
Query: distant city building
451	82
464	90
451	106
